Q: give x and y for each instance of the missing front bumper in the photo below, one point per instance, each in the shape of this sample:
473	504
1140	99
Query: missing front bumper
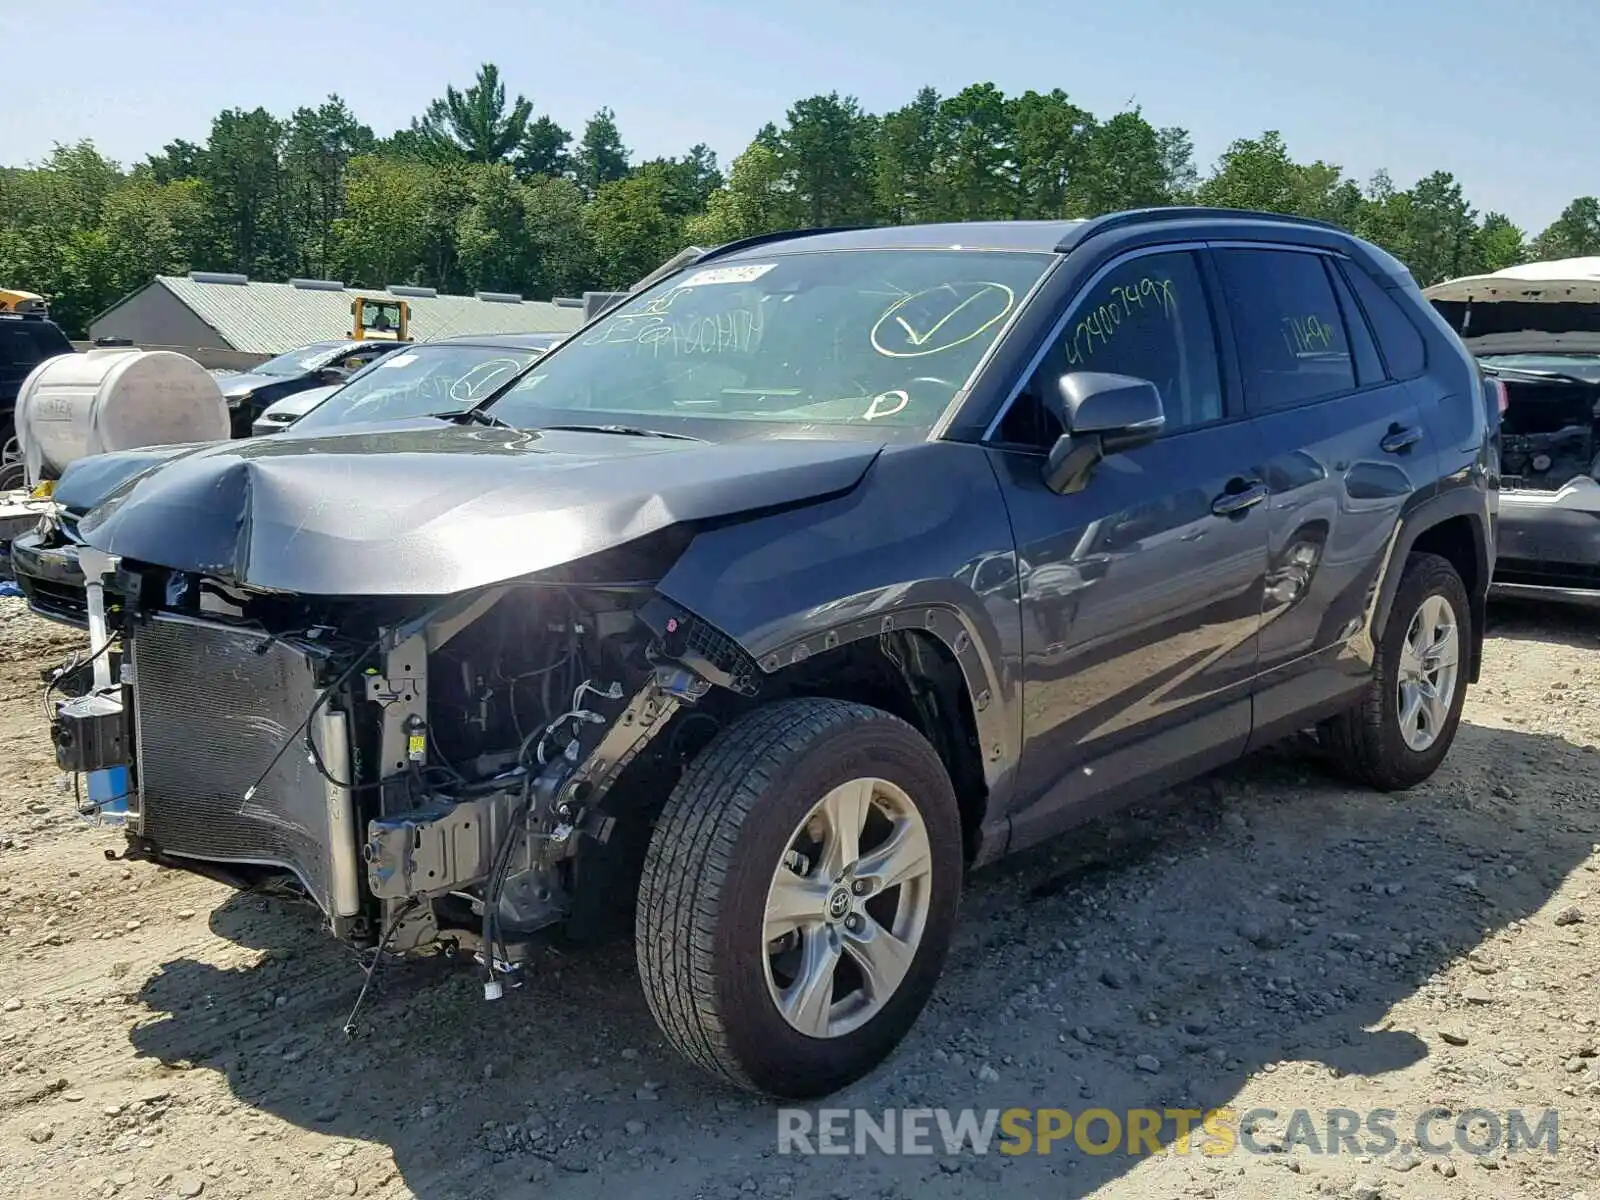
213	708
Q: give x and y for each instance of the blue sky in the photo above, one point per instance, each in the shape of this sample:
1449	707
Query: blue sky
1502	98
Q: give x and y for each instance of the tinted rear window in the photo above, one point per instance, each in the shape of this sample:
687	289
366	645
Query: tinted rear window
1399	342
1290	332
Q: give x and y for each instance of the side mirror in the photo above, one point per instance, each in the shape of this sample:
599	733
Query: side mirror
329	375
1102	414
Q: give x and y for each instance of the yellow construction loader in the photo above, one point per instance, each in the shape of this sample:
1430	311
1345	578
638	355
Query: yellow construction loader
22	302
372	319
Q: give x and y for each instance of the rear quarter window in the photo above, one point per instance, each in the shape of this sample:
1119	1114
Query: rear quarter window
1401	345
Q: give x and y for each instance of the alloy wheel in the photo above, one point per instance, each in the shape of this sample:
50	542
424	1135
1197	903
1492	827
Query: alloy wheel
1430	666
847	908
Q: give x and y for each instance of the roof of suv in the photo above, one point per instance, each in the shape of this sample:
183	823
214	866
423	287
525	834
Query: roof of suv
1048	237
1038	236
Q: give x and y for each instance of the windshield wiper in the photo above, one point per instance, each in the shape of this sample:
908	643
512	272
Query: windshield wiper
1550	376
474	416
629	430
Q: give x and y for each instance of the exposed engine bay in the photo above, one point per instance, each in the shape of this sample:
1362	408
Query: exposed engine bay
425	771
1550	433
1538	337
464	773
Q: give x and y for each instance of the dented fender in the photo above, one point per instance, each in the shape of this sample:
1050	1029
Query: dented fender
792	584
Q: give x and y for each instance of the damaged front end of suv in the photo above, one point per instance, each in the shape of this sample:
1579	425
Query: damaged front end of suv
347	676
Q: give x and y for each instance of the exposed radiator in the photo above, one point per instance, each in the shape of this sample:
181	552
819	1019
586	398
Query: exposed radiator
212	705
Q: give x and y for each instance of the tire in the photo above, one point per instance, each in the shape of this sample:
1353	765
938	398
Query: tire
1368	741
716	853
13	474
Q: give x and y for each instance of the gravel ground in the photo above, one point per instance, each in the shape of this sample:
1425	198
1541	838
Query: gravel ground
1266	937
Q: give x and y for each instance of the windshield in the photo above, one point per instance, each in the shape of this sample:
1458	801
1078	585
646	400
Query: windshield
418	381
299	362
1581	366
856	343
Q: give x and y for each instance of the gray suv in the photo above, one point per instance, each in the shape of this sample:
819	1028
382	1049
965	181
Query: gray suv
829	566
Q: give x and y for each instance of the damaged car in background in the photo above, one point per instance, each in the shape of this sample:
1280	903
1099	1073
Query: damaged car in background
825	567
310	368
437	376
1535	330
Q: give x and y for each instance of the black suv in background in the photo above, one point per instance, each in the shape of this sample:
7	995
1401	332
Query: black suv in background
827	567
26	340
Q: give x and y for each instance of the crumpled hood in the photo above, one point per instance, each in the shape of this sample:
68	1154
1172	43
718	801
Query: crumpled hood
409	509
88	481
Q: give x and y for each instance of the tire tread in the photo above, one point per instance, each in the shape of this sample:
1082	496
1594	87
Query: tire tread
691	854
1356	737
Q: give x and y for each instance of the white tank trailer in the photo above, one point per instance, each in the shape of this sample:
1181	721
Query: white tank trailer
115	398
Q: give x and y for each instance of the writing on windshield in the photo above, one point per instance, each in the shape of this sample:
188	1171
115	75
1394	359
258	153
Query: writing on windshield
820	339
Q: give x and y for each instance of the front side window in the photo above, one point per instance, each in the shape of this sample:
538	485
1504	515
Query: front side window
833	344
48	340
417	382
1150	317
1288	326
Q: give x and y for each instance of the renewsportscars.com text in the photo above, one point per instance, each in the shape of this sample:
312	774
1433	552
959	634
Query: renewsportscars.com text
1143	1132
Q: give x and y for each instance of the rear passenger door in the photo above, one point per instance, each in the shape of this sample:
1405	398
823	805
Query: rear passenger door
1345	448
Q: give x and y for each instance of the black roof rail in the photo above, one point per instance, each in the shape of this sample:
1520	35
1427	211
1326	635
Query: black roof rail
782	235
1184	212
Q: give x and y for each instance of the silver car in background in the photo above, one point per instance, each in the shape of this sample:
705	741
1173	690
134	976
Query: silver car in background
421	378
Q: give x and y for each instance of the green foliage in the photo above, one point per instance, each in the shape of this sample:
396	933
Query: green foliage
601	158
475	124
630	228
1575	233
483	192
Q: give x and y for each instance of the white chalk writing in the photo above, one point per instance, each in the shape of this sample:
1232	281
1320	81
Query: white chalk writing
886	404
733	331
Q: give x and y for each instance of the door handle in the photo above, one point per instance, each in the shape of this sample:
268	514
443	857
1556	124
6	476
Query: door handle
1400	438
1232	503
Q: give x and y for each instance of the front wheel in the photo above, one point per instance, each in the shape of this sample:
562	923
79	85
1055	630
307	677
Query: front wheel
1404	726
799	896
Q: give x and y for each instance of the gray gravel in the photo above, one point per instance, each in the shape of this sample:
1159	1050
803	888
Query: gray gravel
1265	938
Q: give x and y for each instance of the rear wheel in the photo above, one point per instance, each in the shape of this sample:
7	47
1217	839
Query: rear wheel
799	896
1405	724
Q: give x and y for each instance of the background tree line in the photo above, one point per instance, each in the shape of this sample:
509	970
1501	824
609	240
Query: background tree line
479	192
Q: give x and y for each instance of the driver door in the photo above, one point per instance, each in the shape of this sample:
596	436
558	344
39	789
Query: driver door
1142	609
